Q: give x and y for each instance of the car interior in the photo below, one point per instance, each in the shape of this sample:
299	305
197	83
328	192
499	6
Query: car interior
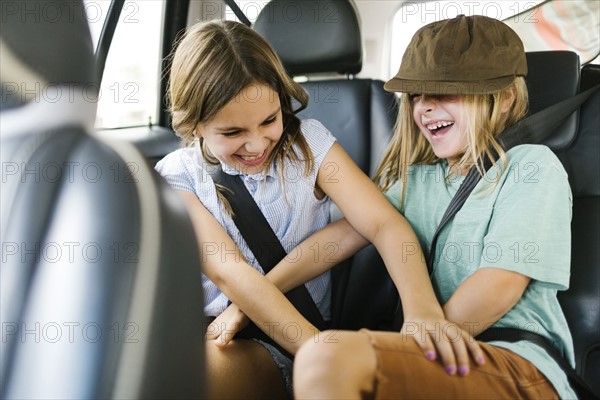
100	284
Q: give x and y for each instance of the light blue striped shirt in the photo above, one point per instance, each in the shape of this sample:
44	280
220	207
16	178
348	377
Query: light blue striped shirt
289	205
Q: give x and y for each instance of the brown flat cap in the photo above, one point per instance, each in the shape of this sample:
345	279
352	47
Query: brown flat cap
462	55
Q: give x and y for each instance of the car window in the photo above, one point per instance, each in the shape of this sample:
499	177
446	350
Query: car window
542	25
562	25
130	83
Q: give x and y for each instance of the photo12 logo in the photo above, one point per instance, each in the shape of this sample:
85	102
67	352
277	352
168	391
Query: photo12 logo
66	253
51	92
430	11
70	332
61	11
68	172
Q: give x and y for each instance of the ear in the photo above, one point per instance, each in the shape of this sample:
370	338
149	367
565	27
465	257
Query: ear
197	132
508	99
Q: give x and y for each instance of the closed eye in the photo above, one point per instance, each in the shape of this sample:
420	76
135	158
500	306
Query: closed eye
231	134
270	120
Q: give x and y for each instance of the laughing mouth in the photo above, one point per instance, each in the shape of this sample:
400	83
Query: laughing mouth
252	160
439	127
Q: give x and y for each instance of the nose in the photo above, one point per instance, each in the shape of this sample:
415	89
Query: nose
256	143
424	103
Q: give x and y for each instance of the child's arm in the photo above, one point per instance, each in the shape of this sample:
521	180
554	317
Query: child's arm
478	303
484	297
225	266
374	218
318	253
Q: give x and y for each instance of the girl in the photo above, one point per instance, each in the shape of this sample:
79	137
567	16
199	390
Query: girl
232	105
502	258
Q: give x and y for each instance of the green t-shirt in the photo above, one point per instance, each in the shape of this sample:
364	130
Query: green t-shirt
519	222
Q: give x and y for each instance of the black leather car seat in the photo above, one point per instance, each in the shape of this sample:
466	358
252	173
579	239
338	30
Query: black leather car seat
318	39
581	303
101	291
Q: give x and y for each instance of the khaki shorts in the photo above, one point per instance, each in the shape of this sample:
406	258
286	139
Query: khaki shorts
404	372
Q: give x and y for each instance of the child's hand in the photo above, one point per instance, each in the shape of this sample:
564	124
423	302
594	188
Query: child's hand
446	341
223	329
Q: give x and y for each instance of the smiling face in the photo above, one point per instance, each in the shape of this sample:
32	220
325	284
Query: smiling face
440	119
246	130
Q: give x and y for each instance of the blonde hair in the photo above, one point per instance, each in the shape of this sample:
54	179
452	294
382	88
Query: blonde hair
485	121
211	64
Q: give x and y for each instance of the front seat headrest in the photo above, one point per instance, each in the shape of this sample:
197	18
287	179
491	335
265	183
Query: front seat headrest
47	65
61	34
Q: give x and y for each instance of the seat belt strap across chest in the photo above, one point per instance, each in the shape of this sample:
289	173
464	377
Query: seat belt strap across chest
261	239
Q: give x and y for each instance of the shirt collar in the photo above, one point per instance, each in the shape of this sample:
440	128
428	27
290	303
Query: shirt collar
260	176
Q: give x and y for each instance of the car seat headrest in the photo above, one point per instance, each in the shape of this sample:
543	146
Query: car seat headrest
59	48
47	65
553	77
330	41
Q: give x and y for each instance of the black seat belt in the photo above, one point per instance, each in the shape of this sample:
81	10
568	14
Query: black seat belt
265	246
238	12
511	335
534	129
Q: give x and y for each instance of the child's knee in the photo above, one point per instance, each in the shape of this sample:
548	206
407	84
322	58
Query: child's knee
314	352
316	359
318	363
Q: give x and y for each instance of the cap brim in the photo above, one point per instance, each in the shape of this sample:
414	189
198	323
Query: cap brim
448	88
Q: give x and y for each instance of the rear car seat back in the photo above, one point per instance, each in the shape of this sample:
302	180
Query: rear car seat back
97	250
581	303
